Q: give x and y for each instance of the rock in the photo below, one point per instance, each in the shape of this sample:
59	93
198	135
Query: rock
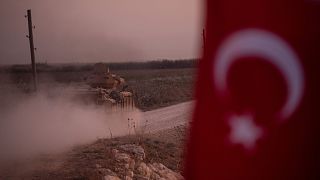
140	177
130	174
157	171
144	170
135	150
164	172
104	171
155	176
114	151
157	167
109	171
128	163
108	177
126	166
122	157
117	169
132	163
98	166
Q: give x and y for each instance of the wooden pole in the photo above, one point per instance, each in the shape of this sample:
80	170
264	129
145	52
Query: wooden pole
34	70
204	38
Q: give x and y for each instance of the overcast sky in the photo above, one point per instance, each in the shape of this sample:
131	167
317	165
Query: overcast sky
101	30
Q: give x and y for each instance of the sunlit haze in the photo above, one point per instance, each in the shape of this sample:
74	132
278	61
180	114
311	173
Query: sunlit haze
101	30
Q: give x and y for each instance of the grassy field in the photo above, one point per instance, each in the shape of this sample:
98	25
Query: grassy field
152	88
161	87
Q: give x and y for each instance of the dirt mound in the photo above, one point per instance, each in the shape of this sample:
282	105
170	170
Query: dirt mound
130	157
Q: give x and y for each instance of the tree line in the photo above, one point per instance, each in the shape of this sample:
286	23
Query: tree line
159	64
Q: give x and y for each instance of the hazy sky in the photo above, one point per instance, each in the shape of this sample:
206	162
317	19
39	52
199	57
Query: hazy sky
101	30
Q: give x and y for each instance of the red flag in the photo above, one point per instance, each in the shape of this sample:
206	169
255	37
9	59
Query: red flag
257	92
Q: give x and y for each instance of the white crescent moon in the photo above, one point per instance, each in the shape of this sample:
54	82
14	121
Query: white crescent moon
259	43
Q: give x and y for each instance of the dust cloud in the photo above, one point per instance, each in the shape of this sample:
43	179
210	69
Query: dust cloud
45	123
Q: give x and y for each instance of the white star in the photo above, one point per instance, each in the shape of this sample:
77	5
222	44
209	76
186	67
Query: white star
244	131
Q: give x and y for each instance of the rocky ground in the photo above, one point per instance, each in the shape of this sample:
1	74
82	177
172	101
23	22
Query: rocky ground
144	156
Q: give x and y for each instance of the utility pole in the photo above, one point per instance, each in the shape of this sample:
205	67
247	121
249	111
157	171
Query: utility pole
204	38
30	36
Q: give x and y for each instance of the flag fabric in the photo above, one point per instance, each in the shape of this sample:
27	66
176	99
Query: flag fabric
257	92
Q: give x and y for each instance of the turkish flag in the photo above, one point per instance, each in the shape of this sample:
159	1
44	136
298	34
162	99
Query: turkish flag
257	92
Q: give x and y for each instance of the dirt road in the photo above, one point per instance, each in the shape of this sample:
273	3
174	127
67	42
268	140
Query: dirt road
168	117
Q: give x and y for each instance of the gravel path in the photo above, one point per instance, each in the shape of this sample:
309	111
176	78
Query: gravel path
168	117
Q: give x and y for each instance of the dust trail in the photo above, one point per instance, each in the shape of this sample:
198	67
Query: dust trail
43	123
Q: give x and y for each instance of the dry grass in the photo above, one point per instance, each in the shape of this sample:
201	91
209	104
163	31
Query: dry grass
159	88
152	88
82	161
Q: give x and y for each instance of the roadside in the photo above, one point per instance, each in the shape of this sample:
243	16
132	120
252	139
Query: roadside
160	144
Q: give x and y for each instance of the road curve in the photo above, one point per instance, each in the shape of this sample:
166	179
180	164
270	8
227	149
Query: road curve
168	117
